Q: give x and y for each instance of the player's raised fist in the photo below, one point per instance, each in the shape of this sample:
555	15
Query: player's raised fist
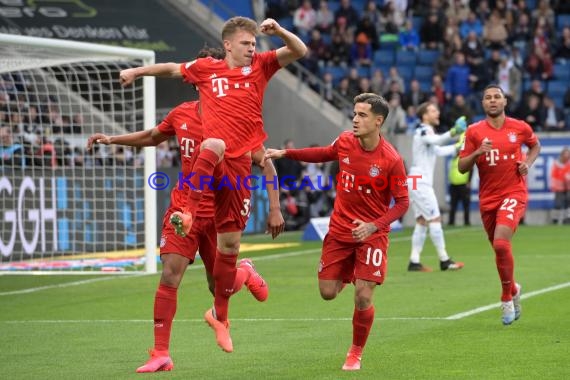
127	76
269	26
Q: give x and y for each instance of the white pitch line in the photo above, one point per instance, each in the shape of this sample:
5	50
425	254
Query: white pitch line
112	277
498	304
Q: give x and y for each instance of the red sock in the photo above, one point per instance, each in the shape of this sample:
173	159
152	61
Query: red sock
505	267
225	272
361	324
204	168
164	310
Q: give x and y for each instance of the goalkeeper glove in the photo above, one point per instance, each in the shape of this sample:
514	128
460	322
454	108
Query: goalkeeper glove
459	127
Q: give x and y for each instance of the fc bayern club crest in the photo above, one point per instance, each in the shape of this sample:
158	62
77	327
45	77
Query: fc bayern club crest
246	70
162	241
512	137
374	171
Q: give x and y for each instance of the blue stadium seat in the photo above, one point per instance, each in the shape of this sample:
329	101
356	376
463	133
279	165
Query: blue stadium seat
326	37
556	91
334	5
424	73
562	21
562	71
363	71
478	117
337	73
406	72
286	22
405	57
383	57
427	57
425	85
231	8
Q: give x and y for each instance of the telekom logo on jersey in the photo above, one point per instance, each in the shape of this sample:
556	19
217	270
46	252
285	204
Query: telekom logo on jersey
494	155
220	86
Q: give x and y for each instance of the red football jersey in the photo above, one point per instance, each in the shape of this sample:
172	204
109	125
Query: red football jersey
498	169
184	122
368	180
232	99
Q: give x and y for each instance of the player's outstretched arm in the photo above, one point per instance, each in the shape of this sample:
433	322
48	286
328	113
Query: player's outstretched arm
275	221
164	70
150	137
294	48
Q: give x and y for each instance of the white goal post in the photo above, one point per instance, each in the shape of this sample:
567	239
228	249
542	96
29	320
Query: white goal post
63	209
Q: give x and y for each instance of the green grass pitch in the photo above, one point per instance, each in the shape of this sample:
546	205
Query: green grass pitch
101	328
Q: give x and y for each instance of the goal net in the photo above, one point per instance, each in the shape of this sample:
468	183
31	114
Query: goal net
64	209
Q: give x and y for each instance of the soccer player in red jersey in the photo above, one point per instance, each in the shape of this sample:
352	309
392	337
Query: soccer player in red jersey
355	248
231	95
494	145
177	252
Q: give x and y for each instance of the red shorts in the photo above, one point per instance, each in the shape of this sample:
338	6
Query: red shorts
232	193
507	212
347	261
202	237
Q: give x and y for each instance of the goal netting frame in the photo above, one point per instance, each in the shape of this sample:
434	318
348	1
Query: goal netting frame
64	210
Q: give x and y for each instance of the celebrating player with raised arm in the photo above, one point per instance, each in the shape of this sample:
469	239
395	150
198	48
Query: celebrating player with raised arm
427	145
355	248
494	145
231	95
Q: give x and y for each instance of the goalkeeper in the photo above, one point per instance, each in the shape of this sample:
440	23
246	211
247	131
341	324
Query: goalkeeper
426	146
177	252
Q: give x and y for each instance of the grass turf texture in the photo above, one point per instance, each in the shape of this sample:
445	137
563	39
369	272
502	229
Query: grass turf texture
102	329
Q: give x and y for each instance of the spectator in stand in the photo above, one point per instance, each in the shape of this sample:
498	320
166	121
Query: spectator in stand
341	27
444	61
539	62
451	35
495	32
521	33
11	154
317	53
395	123
415	96
482	10
412	120
409	38
543	10
560	186
353	81
458	9
471	24
394	76
431	32
458	108
567	99
364	86
339	53
361	51
509	78
520	9
563	50
325	18
536	90
305	19
45	154
457	81
438	91
367	27
347	11
388	20
552	118
372	13
394	89
377	82
531	111
327	87
473	49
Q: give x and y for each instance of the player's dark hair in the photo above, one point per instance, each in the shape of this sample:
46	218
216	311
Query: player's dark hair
379	105
493	85
206	51
422	109
238	23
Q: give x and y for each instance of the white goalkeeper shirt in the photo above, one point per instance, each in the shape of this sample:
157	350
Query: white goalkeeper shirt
426	147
